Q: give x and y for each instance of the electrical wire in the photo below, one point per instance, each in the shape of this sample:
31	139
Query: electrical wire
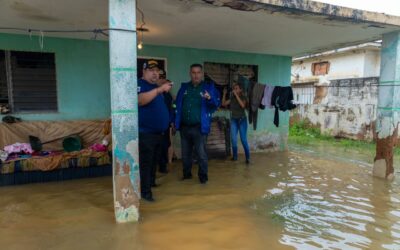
141	14
96	31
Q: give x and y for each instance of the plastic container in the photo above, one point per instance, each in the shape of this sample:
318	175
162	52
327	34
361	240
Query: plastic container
72	143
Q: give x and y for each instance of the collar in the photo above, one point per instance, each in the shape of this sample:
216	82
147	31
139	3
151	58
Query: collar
191	84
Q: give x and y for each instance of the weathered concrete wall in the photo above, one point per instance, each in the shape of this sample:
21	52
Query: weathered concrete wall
388	117
124	110
343	108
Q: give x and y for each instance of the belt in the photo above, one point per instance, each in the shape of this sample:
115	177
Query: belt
161	133
191	125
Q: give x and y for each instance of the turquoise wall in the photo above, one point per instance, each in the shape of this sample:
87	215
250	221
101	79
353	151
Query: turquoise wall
274	70
83	82
83	74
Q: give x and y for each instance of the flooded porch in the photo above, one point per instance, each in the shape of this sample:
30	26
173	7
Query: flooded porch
301	199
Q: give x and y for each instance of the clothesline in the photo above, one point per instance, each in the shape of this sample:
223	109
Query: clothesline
94	31
347	86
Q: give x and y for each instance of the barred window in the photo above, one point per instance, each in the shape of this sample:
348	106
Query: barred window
28	81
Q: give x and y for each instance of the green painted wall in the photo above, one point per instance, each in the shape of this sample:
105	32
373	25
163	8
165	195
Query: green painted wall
82	75
274	70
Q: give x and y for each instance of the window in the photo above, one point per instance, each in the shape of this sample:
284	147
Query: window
28	81
3	80
224	75
304	93
321	68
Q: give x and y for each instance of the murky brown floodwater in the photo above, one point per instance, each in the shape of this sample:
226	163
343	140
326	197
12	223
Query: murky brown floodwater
283	201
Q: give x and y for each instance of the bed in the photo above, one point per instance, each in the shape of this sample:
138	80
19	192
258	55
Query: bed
57	165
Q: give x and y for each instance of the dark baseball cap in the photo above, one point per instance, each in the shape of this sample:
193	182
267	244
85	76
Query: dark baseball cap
150	64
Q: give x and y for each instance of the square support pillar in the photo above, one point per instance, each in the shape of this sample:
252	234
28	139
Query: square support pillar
388	114
124	109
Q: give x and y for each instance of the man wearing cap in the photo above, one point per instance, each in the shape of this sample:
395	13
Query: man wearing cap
195	103
153	122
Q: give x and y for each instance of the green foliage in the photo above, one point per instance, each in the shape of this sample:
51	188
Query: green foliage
302	133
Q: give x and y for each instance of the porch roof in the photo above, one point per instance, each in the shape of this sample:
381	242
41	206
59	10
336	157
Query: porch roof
280	27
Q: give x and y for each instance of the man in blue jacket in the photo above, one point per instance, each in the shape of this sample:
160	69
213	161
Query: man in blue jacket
195	103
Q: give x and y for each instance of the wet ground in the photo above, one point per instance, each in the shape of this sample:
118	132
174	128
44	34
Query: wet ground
306	198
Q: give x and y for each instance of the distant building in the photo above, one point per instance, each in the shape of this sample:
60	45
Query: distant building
337	90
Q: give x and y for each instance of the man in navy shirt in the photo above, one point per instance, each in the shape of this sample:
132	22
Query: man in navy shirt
153	122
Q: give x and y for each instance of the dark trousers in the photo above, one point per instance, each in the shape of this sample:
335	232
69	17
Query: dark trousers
149	148
192	138
163	157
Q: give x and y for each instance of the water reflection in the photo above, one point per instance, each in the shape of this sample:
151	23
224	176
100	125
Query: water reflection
289	200
323	204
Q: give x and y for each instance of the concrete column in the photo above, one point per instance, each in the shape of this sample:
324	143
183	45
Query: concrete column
124	111
388	116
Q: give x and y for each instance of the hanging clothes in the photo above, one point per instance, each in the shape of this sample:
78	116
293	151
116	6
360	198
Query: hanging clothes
256	93
266	100
282	99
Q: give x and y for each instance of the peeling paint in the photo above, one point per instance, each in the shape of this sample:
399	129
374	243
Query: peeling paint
126	214
384	152
388	103
123	79
386	127
267	142
388	118
342	109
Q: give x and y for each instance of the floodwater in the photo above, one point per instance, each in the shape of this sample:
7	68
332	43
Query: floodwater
301	199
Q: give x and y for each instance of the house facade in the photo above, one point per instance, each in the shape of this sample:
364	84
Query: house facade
87	62
337	91
81	85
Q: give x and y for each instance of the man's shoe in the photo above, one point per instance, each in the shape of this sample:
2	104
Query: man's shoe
148	197
248	161
203	181
154	185
164	171
186	177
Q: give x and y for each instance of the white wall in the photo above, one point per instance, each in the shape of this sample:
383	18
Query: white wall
351	64
372	63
